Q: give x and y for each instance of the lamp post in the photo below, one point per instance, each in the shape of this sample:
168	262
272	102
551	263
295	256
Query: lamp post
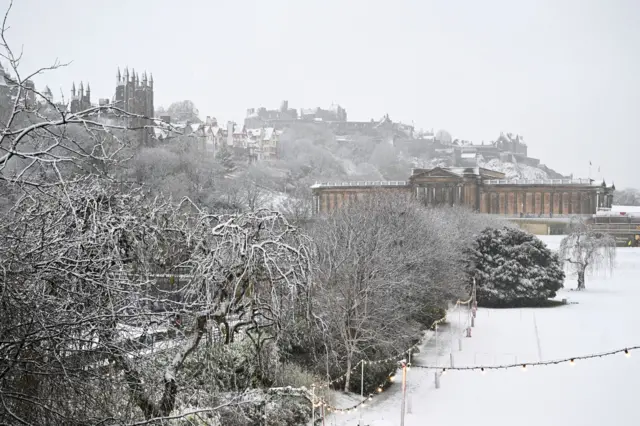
403	363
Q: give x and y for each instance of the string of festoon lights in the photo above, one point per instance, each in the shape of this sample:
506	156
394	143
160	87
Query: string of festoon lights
524	366
390	377
482	368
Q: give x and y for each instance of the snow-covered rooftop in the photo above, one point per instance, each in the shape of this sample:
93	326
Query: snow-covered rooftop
359	183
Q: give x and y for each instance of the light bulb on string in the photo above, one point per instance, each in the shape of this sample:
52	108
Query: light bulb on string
572	362
524	367
482	371
379	389
392	378
627	353
444	371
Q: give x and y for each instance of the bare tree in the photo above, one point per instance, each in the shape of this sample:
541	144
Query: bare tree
77	275
587	250
106	290
384	262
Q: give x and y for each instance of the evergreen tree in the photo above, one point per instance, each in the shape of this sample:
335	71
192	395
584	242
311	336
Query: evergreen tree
225	159
513	268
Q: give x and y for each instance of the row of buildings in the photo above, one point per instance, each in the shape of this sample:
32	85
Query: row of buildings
132	104
457	153
248	144
508	147
482	190
334	118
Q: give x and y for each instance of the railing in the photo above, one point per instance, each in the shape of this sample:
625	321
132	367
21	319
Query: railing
542	216
539	182
359	183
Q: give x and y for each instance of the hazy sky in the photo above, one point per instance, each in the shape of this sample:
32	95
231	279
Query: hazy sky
565	74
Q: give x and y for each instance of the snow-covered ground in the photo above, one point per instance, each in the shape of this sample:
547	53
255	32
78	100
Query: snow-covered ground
627	209
599	391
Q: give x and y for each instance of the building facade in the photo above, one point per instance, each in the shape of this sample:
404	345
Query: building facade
80	99
485	191
134	95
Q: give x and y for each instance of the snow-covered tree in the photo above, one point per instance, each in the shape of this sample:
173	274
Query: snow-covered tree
514	268
587	250
627	197
184	111
384	264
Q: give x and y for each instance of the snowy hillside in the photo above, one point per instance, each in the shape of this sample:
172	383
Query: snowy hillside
513	170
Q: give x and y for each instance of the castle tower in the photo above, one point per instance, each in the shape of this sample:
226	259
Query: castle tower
73	90
88	95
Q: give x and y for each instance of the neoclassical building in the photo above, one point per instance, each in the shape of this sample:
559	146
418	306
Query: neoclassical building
485	191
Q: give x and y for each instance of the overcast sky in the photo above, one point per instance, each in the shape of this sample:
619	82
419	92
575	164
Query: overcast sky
563	73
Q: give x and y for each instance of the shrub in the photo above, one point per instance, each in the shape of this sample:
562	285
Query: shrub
513	268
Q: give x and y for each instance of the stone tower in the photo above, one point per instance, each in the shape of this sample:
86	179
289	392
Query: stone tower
80	99
135	96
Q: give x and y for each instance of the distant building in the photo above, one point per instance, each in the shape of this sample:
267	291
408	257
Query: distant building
335	113
135	96
246	145
80	99
482	190
261	117
511	143
9	89
263	143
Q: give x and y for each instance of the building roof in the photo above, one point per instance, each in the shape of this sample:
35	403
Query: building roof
370	184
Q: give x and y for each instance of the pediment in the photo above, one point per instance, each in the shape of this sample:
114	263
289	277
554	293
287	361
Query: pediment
436	172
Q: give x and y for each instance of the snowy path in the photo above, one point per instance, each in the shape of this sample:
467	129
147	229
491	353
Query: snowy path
593	392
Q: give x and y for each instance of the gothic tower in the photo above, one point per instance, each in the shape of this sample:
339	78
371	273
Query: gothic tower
135	96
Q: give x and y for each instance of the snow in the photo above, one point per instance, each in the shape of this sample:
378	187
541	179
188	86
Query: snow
592	392
627	209
513	170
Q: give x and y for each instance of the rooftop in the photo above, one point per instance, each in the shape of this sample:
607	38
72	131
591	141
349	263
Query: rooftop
386	183
589	182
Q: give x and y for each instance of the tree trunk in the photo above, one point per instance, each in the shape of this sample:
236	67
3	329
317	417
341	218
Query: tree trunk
581	271
347	377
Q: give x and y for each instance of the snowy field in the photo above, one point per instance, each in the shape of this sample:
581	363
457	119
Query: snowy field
599	391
